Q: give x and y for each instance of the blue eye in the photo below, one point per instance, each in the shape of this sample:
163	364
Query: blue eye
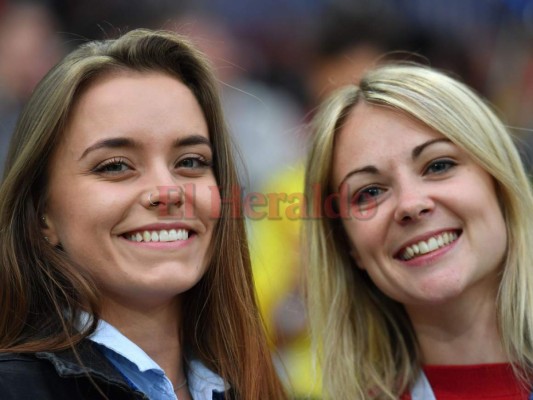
193	163
367	196
439	166
112	167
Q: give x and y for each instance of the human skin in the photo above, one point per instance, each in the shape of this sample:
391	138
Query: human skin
130	134
440	189
418	185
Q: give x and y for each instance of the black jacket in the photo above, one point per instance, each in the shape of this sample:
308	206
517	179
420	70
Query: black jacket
60	376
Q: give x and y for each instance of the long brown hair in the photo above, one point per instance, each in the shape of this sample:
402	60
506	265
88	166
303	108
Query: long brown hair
42	292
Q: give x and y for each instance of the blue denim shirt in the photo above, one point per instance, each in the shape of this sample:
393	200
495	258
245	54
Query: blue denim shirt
143	373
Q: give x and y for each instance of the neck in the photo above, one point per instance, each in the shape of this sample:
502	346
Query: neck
156	331
460	332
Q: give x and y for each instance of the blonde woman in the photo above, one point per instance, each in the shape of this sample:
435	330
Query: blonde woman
420	244
122	272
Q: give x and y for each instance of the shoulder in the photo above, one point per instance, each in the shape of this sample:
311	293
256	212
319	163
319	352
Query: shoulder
8	356
18	362
54	376
22	375
20	366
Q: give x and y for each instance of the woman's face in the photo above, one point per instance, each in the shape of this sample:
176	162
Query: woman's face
130	135
432	229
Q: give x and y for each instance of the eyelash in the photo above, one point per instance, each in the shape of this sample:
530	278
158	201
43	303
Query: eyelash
200	160
364	197
446	162
101	168
200	163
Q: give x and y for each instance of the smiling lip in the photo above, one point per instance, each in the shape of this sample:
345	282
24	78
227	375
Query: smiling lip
427	244
159	233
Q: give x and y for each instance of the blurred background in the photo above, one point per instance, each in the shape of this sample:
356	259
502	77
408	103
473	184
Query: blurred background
276	60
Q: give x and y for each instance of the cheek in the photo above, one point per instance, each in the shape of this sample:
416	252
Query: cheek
360	241
207	201
495	231
79	231
82	215
483	208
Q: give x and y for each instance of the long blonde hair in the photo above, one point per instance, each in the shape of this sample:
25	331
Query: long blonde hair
365	341
42	293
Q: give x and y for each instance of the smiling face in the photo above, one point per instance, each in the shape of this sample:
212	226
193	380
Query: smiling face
437	232
129	135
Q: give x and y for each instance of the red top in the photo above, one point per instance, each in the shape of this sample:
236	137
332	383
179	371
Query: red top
474	382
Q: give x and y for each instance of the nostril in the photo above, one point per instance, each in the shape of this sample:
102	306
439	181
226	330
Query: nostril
413	214
153	203
406	218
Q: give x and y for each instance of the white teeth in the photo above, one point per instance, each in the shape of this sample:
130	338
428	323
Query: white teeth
427	246
433	244
172	235
159	236
163	236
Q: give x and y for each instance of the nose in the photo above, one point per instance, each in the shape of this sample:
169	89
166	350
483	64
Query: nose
162	188
164	195
413	205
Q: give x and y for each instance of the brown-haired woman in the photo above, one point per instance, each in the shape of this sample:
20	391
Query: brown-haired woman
122	272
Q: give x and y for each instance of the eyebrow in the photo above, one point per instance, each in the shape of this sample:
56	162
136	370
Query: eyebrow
419	149
415	153
121	142
193	140
111	143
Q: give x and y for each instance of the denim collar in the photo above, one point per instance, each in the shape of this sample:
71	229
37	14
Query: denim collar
202	381
86	360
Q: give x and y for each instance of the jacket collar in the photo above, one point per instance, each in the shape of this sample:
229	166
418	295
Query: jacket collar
93	362
87	359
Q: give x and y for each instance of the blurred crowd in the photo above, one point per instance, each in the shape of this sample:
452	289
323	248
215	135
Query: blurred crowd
276	60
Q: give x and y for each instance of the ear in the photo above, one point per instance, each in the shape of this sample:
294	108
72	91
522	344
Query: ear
48	229
356	258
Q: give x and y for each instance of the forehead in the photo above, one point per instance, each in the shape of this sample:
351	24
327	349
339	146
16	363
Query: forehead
369	124
143	104
122	88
